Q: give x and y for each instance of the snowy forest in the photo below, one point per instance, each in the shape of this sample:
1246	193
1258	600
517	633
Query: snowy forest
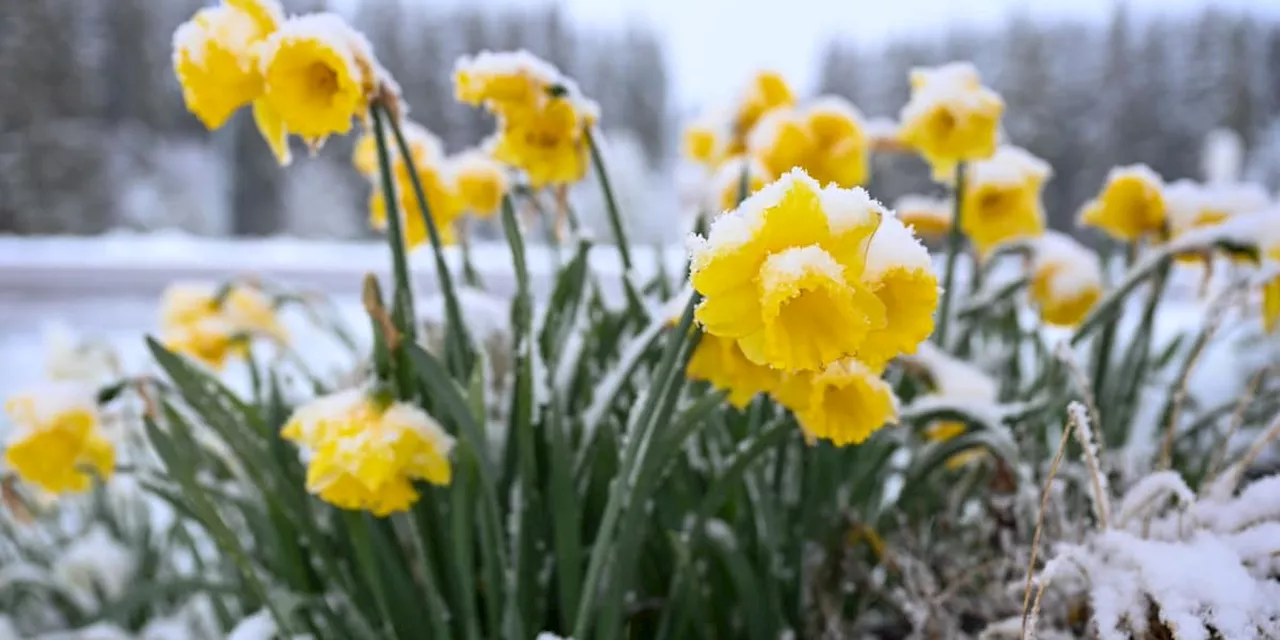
101	140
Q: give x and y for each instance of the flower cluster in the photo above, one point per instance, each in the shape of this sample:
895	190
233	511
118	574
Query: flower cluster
364	452
210	324
56	440
950	117
766	135
1001	199
543	118
808	293
308	75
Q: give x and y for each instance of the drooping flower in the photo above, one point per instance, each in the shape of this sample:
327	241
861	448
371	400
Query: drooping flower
950	117
783	274
480	182
503	82
209	324
56	440
1130	206
216	57
901	275
1066	279
725	189
927	217
549	142
364	453
1192	205
721	362
442	201
424	146
844	403
542	115
1001	200
320	75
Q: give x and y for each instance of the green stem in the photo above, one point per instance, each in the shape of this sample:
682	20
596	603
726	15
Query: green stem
469	274
632	459
458	353
955	242
358	527
402	308
1102	354
611	203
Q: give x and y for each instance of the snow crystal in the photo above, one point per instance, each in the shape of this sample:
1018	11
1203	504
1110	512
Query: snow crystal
47	400
348	44
954	378
836	106
736	228
1010	166
782	268
520	63
1099	496
849	208
221	26
921	206
893	245
96	561
259	626
1196	582
1149	494
955	85
1140	172
1077	270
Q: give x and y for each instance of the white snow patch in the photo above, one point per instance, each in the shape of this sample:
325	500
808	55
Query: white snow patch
894	245
1010	166
848	209
1076	269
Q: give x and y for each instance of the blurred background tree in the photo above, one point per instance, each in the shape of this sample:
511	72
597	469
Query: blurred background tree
99	138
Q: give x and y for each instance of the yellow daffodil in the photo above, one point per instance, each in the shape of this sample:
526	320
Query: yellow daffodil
320	75
548	143
782	274
442	201
1193	206
1130	206
1066	279
826	140
56	441
364	453
725	189
766	91
840	142
721	362
480	183
950	117
1002	198
781	141
844	403
424	147
927	217
1271	296
542	115
503	82
703	144
199	321
943	430
900	273
216	58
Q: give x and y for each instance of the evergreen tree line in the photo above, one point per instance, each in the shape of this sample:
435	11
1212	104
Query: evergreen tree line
94	136
1090	96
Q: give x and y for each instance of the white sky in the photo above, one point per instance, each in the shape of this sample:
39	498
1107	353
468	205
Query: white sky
713	45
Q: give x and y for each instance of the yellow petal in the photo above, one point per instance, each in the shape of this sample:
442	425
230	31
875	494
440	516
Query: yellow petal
273	130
